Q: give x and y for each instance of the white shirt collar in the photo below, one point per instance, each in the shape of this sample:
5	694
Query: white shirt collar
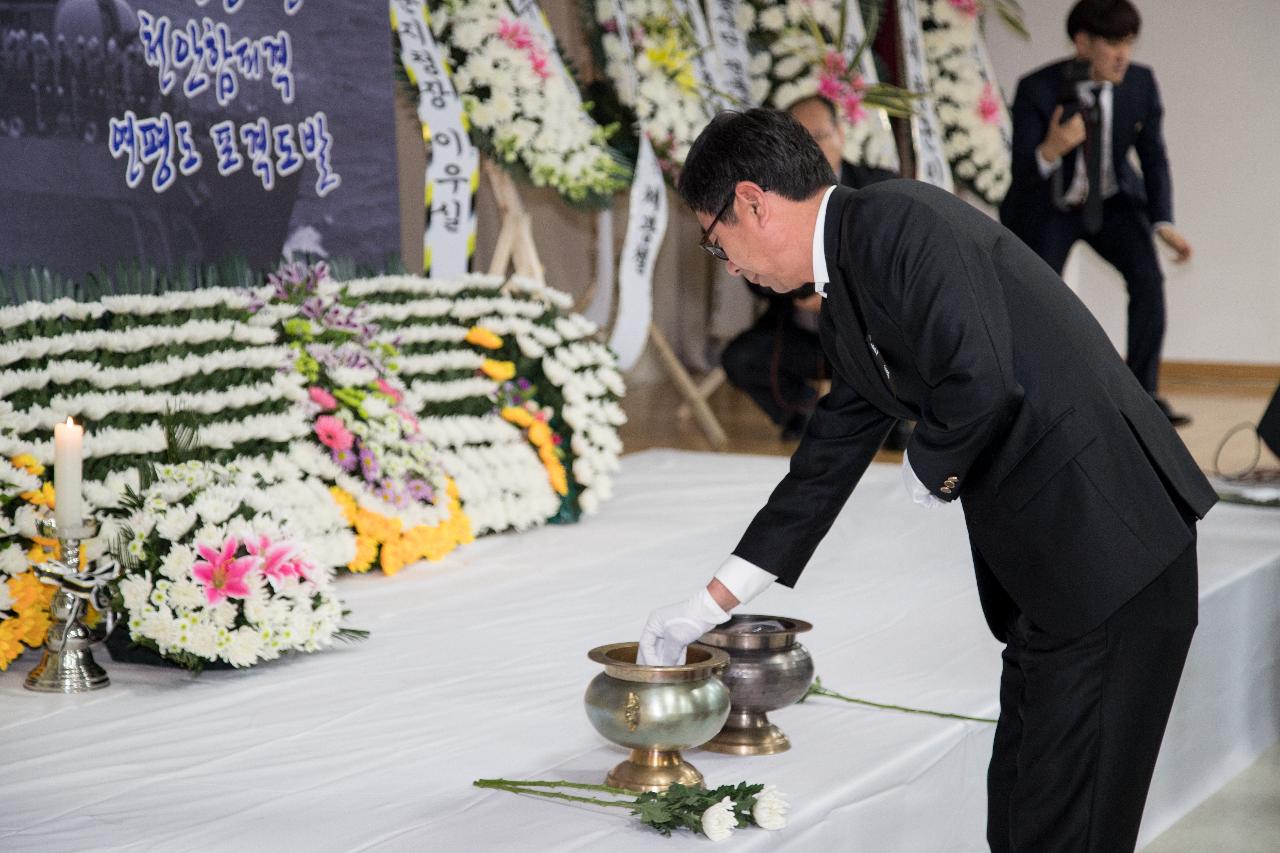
820	275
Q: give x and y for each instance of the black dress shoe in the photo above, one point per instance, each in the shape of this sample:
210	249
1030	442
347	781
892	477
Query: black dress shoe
1176	418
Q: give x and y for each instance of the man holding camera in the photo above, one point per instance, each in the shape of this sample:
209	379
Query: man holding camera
1074	124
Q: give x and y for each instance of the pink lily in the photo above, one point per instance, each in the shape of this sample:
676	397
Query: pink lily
390	390
989	105
222	574
276	558
515	33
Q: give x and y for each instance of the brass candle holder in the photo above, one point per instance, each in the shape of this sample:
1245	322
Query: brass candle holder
67	665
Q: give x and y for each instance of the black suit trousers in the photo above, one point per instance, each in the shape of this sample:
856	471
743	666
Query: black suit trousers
1081	721
775	362
1125	242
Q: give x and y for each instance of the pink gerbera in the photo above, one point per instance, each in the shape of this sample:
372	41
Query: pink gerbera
222	574
277	562
333	434
322	398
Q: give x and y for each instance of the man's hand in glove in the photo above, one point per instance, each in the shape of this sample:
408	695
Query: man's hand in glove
670	629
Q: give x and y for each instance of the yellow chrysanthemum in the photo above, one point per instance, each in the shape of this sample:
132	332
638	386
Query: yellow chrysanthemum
482	337
26	590
345	502
28	463
517	415
392	557
539	433
42	496
379	527
35	627
42	551
10	642
366	552
499	371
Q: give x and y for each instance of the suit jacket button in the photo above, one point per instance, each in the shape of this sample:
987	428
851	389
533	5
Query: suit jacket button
946	490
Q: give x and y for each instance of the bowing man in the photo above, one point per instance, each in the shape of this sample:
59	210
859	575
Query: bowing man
1079	498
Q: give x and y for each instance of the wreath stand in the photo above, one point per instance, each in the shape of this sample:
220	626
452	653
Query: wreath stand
515	250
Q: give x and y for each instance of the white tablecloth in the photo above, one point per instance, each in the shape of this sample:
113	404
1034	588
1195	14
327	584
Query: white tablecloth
477	666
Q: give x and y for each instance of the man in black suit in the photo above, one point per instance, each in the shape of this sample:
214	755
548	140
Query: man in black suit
776	361
1060	155
1079	498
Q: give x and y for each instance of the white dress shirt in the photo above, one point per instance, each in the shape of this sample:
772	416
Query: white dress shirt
1079	187
820	276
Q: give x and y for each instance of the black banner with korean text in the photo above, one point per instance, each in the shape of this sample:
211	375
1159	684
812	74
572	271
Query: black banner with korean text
176	133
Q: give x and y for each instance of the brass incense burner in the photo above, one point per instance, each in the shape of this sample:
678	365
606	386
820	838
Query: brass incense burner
656	711
767	670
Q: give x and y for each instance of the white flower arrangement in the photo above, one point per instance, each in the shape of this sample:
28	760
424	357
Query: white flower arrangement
234	362
654	74
788	43
230	565
977	129
522	102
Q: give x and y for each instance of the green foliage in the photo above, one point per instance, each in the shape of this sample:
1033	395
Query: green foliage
683	806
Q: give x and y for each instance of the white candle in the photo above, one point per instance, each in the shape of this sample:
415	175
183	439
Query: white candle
68	444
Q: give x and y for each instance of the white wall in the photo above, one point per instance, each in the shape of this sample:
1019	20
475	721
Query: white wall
1219	75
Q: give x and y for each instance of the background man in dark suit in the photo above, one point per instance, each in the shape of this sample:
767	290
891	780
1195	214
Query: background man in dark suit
776	361
1074	124
1079	498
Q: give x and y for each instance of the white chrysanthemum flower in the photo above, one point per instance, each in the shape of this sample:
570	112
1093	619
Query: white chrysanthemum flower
13	561
719	821
770	809
176	523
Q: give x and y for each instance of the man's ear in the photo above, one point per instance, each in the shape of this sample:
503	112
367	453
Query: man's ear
1084	45
752	201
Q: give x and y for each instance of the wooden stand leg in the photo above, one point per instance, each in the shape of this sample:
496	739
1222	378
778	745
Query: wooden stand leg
707	386
688	389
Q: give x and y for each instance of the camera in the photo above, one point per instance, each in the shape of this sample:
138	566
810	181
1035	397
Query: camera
1073	74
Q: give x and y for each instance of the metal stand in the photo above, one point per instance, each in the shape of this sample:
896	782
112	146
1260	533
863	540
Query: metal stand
67	665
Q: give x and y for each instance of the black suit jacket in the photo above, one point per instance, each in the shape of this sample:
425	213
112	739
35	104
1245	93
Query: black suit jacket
781	306
1024	411
1135	125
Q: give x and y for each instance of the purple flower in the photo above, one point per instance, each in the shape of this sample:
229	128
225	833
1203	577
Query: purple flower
369	466
346	459
389	493
420	490
524	384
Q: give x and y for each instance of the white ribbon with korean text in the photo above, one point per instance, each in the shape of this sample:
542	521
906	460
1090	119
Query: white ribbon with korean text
883	145
453	165
731	50
926	130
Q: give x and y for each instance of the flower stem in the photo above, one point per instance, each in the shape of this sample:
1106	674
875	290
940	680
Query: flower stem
816	689
531	788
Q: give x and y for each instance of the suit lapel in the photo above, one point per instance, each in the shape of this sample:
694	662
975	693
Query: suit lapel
843	325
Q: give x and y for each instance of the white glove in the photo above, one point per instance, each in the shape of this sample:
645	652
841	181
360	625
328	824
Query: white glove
915	488
670	629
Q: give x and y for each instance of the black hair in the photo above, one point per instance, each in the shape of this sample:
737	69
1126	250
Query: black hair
1108	19
814	99
768	147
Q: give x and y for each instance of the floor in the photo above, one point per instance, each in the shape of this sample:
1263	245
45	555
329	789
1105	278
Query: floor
1244	816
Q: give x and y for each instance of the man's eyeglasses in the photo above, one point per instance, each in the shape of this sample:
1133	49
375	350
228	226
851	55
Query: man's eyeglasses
712	249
